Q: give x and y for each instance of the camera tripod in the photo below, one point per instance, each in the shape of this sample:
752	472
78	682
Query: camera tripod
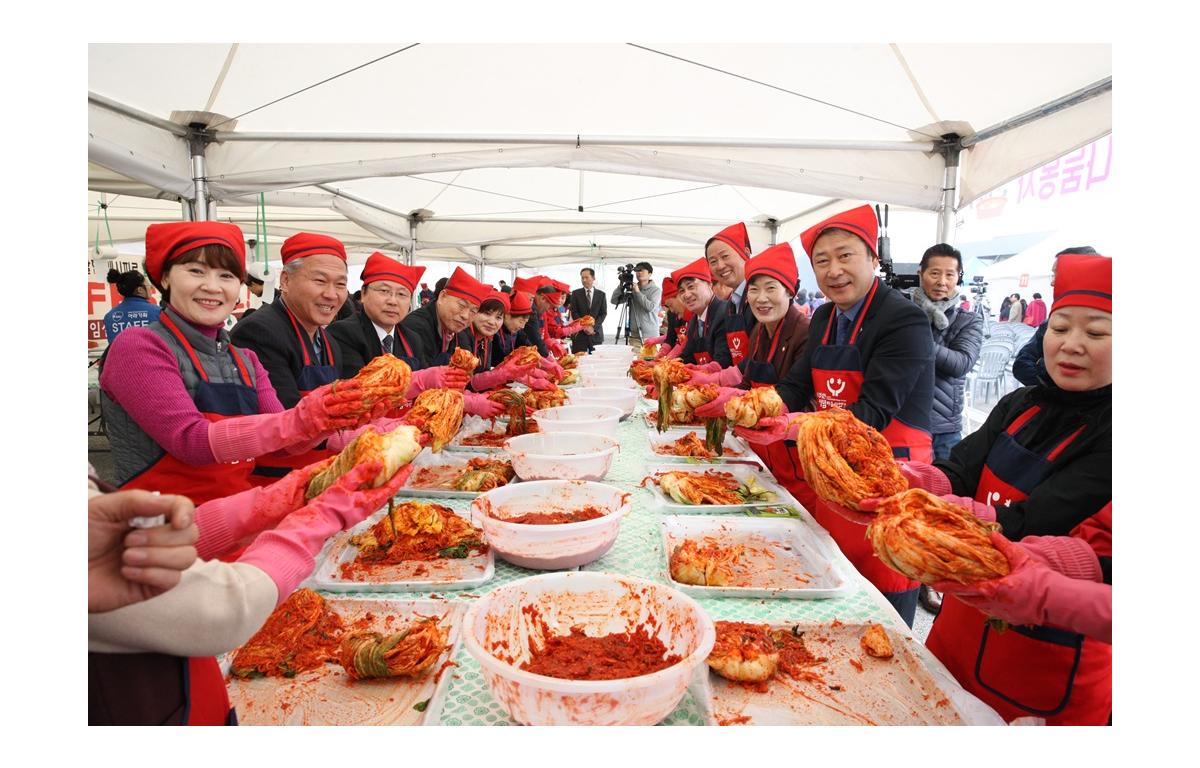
623	321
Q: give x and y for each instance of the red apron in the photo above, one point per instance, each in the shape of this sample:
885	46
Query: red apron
837	378
1043	671
736	337
312	376
780	456
215	402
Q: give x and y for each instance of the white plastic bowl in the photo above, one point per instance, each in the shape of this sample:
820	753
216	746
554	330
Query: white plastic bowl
613	350
551	547
621	382
618	397
561	455
605	370
593	419
499	625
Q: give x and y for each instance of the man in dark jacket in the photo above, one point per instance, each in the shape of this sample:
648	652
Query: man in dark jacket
436	330
588	300
531	334
706	339
869	350
386	299
957	337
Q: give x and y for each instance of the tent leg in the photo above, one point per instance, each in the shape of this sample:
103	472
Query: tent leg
199	180
949	191
188	213
412	246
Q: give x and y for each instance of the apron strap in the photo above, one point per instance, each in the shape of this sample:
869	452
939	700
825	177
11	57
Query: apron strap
1063	445
299	336
403	341
1022	420
241	364
191	353
862	315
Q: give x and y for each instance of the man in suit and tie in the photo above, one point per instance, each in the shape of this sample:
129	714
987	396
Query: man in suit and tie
588	300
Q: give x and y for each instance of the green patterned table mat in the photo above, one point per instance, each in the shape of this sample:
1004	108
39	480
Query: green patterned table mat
638	551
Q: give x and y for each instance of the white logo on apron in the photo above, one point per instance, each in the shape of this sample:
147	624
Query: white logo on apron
836	391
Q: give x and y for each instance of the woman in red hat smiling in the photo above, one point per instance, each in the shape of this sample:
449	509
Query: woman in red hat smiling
1040	466
493	372
187	411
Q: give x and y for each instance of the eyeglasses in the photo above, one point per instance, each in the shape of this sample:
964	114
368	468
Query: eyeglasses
388	293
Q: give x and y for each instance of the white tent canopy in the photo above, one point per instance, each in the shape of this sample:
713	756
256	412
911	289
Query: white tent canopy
544	154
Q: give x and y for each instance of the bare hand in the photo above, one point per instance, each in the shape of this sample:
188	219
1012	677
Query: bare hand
127	566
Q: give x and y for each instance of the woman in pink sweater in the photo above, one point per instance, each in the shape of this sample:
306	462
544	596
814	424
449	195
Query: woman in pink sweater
187	413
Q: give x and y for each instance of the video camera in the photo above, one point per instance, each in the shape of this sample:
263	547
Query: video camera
625	279
978	286
894	275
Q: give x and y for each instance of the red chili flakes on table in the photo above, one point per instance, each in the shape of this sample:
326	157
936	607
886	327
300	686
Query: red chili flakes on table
856	664
739	720
942	703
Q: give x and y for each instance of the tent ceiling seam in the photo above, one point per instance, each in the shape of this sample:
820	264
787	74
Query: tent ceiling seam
784	90
216	89
554	206
912	79
314	85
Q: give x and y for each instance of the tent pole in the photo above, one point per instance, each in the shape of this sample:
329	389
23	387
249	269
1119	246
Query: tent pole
412	236
479	264
188	213
949	190
774	225
199	172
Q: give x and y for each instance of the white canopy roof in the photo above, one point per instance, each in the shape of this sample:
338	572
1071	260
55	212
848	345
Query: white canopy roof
545	154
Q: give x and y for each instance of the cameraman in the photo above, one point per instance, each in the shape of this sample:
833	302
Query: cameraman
642	295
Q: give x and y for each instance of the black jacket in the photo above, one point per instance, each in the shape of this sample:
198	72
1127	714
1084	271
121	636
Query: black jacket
359	343
1029	366
270	334
531	334
674	323
955	351
1080	483
421	330
897	357
716	323
577	305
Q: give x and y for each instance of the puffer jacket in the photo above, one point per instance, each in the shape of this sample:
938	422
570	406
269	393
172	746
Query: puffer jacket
955	351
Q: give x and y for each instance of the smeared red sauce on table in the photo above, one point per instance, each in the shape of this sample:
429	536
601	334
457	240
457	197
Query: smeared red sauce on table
556	518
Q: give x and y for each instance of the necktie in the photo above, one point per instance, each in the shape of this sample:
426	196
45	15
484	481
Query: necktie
589	295
320	352
387	343
843	331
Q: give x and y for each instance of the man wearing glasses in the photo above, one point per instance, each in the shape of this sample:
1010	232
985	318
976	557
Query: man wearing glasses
387	294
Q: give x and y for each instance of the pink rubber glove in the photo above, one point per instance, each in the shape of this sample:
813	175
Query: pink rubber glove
317	415
478	405
551	367
438	377
712	366
226	521
1034	594
663	351
1068	555
722	377
770	429
572	329
676	351
925	476
655	340
716	408
982	511
499	376
536	379
286	553
556	348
